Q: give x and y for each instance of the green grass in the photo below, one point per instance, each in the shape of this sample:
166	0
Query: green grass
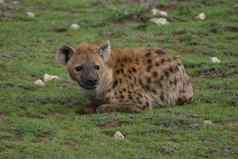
45	122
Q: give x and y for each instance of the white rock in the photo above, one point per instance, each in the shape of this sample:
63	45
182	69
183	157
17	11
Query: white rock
201	16
118	136
30	14
159	12
215	60
163	13
2	1
15	2
159	21
48	77
207	122
74	26
154	11
39	83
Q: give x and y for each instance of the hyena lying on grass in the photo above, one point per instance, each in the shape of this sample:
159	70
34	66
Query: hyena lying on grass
127	79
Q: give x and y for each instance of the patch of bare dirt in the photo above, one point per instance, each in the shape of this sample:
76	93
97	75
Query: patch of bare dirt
155	4
43	140
71	144
217	87
111	124
60	29
2	116
224	151
168	149
232	28
8	9
212	72
227	70
168	7
7	56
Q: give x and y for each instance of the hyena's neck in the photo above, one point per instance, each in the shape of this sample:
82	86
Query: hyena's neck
104	85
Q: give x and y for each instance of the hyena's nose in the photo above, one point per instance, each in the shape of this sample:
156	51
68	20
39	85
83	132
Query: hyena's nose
91	82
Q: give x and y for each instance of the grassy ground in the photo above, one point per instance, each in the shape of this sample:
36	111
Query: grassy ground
45	122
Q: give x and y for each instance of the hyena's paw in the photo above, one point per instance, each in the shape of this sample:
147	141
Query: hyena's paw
129	108
105	108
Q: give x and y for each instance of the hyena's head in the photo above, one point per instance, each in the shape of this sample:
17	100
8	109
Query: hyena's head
85	64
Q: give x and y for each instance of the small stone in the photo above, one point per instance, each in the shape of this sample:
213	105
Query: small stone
15	2
48	77
154	11
118	136
207	122
215	60
39	83
159	12
30	14
163	13
74	26
159	21
201	16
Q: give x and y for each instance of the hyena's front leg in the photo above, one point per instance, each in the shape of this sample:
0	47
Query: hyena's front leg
122	107
91	107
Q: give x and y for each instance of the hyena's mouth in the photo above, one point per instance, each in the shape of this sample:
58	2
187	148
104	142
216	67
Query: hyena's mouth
87	86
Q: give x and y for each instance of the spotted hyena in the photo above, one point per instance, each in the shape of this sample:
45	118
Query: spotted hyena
127	79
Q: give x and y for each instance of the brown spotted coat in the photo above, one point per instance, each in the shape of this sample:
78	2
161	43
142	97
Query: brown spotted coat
147	77
135	79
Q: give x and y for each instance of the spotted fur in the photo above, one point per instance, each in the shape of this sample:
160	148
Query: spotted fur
136	79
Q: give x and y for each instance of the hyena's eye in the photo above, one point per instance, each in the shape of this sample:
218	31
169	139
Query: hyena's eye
79	68
97	67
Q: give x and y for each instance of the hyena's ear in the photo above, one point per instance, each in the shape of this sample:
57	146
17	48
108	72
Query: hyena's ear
64	54
105	51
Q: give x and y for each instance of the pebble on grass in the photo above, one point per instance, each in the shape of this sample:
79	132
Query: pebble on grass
74	26
48	77
215	60
39	83
118	136
159	12
15	2
201	16
159	21
207	122
30	14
